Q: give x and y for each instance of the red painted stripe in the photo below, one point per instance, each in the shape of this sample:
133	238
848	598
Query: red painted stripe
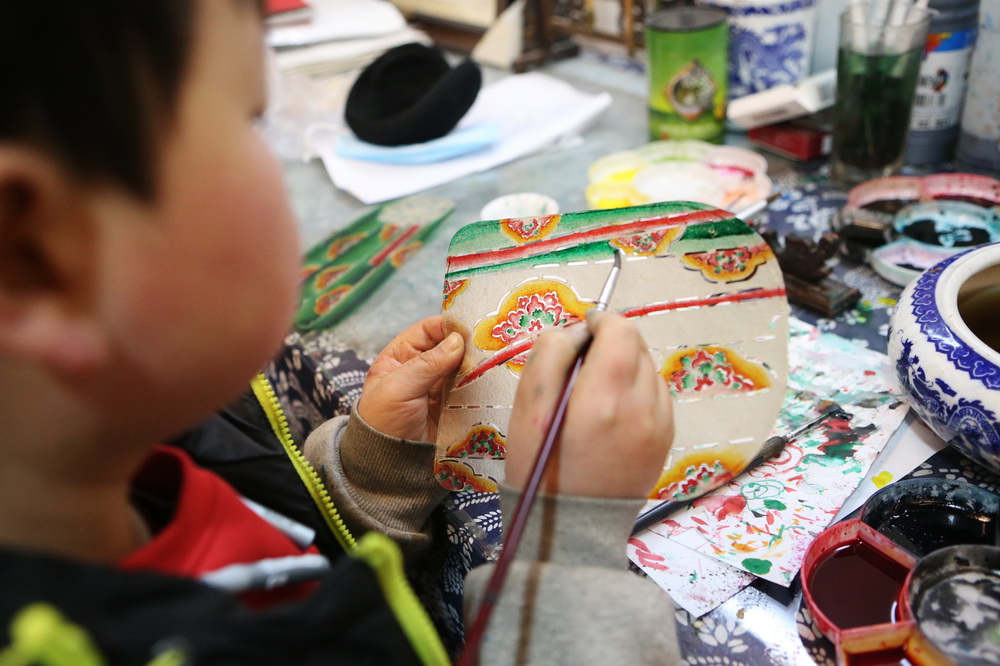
499	358
749	295
517	348
463	261
388	249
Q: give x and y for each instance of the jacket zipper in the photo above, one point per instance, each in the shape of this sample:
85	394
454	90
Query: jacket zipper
376	550
310	477
381	554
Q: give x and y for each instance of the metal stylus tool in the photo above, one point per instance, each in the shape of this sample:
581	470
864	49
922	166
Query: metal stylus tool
771	447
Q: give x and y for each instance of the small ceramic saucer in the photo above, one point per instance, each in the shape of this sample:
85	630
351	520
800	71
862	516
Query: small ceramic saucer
901	261
954	225
952	597
519	204
929	232
922	515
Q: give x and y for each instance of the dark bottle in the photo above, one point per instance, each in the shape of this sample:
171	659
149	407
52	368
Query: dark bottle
942	83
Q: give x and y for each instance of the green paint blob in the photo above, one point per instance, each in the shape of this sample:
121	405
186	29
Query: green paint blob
774	504
756	566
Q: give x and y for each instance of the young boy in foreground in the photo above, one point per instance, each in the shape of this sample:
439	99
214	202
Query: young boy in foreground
148	268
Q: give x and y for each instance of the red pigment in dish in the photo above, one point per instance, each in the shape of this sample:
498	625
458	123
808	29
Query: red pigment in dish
856	586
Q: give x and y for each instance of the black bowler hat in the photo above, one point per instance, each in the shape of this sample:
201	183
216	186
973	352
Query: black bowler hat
410	94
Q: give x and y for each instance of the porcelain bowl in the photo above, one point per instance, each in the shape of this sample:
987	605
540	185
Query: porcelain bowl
944	342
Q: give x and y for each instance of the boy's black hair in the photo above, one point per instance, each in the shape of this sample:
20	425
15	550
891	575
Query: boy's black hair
94	84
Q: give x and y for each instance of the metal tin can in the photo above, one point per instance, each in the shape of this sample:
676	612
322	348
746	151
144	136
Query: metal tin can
687	51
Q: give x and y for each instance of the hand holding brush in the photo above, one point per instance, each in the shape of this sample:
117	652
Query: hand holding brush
604	434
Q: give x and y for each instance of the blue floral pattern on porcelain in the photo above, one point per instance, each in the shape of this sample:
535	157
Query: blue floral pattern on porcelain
770	42
951	385
761	61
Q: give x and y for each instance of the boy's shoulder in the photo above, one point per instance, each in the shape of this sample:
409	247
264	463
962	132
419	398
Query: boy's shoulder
239	445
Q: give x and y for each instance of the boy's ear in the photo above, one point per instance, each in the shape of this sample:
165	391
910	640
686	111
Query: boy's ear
47	266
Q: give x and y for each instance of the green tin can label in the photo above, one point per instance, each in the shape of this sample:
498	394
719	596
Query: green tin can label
687	52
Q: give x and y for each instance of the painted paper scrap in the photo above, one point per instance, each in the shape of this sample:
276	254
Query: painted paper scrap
762	522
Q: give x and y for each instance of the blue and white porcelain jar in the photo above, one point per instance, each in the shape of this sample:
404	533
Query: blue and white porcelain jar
770	42
944	340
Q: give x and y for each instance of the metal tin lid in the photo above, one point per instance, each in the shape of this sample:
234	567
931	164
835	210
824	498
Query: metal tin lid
686	19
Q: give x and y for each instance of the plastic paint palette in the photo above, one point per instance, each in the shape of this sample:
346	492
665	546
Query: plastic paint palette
915	578
723	176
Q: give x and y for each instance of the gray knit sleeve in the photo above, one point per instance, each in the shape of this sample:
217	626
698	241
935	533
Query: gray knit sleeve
569	597
377	482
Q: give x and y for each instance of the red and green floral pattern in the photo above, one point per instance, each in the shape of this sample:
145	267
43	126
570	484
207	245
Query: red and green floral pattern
533	313
457	476
328	276
452	288
697	478
708	369
326	301
402	254
483	441
342	245
728	264
524	229
647	243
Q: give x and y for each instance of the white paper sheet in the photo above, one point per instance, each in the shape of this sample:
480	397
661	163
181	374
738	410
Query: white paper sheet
340	19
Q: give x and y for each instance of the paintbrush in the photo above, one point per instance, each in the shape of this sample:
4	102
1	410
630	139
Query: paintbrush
771	448
757	207
523	510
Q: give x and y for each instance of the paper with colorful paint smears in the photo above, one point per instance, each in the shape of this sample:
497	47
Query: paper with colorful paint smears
761	523
703	288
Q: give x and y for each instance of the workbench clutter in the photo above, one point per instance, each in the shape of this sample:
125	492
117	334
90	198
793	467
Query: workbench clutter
903	225
925	553
912	87
770	42
760	524
881	44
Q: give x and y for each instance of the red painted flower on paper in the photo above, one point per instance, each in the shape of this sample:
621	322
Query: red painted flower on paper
532	307
697	473
697	479
460	477
524	229
482	441
728	264
533	313
712	370
452	288
648	243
